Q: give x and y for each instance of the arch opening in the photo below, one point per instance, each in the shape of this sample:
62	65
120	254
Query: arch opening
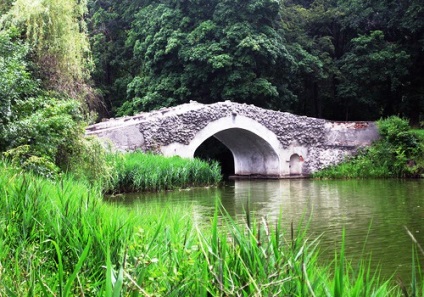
252	155
256	150
213	149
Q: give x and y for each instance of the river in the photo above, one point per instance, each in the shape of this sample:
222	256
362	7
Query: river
374	213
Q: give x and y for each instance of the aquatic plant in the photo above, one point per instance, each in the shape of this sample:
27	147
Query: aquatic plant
137	171
59	238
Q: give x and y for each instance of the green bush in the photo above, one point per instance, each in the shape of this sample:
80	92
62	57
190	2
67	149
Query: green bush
22	157
87	159
44	133
390	127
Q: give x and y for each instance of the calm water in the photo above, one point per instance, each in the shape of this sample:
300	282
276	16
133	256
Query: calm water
374	213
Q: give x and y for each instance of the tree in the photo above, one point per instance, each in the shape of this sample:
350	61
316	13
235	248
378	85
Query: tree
362	86
36	127
15	80
333	42
312	32
56	33
294	55
209	51
108	23
402	23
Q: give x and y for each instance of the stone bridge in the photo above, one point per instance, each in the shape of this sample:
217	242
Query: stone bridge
263	142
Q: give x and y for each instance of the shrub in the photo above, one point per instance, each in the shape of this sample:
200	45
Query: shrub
22	157
87	159
391	126
398	153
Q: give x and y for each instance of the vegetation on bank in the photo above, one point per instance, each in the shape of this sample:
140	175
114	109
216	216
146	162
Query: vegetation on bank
60	238
122	172
398	153
137	172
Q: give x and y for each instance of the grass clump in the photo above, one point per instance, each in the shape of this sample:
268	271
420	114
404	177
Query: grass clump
60	239
55	235
137	172
398	153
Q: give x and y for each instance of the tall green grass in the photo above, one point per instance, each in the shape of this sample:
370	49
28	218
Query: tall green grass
136	172
59	238
54	236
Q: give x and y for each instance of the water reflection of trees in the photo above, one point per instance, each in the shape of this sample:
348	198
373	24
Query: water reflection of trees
373	212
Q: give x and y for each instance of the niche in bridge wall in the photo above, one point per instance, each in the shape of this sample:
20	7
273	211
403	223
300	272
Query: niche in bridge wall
296	162
213	149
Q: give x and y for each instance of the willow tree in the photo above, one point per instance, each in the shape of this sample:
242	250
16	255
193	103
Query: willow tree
55	30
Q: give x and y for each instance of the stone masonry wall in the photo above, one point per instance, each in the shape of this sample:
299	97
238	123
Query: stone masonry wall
327	142
182	123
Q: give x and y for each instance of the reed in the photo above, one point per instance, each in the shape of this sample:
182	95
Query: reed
59	238
55	235
136	172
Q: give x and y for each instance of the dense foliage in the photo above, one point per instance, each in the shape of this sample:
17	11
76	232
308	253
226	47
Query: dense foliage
15	81
55	31
37	126
232	50
398	153
325	58
44	86
336	59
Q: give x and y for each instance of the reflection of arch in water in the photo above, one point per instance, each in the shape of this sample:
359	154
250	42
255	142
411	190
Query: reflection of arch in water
256	149
296	164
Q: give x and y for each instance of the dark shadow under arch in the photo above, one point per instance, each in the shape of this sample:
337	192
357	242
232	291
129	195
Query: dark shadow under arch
252	155
213	149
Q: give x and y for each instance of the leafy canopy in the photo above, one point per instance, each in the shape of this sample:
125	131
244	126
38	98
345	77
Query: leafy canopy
15	80
208	51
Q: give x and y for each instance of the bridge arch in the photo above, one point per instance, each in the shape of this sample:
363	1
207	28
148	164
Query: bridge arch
299	143
255	149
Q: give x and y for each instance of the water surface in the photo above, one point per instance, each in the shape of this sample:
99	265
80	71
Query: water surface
374	213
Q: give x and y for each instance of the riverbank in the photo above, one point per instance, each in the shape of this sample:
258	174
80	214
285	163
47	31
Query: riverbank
399	153
60	238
